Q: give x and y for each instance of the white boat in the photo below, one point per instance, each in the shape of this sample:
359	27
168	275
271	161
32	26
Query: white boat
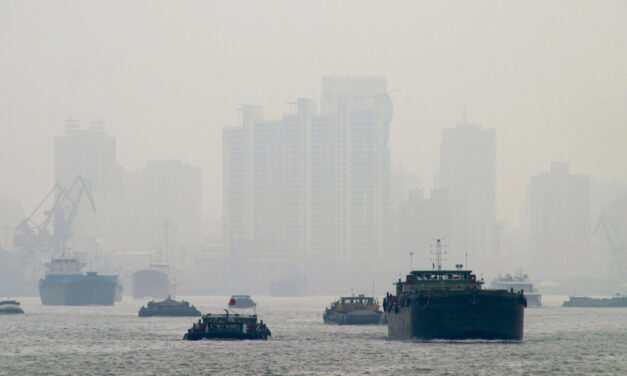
241	301
519	282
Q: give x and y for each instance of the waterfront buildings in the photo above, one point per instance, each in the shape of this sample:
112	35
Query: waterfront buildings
314	184
154	208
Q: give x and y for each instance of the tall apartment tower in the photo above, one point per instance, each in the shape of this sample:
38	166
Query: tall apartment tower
362	111
171	213
468	174
559	222
313	184
90	153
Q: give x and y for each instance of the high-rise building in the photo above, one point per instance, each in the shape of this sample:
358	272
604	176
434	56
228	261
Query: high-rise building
419	221
312	185
362	111
172	209
468	174
90	153
559	222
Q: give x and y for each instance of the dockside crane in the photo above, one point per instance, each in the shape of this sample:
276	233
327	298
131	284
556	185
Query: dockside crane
33	236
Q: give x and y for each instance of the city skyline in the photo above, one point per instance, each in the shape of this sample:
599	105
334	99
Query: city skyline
556	100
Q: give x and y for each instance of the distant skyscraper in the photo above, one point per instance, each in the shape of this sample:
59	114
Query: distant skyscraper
362	112
558	219
132	208
467	173
312	184
172	210
88	152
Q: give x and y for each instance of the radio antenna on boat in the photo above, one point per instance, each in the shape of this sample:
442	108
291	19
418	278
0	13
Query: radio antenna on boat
437	263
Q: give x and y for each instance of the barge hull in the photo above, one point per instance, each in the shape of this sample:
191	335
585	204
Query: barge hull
476	314
80	292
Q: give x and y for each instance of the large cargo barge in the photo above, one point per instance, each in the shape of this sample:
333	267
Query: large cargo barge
65	284
450	304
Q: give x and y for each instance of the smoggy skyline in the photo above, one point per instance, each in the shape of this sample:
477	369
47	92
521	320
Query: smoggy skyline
166	78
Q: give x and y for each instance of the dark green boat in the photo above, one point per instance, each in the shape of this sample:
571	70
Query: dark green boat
451	304
10	307
168	307
228	326
613	302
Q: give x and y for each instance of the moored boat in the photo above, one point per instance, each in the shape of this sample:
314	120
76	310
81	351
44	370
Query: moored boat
228	326
354	310
168	307
10	307
584	301
65	284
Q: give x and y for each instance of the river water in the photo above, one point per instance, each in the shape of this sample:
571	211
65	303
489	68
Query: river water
113	340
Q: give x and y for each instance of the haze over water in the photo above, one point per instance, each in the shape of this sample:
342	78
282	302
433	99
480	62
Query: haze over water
113	340
317	144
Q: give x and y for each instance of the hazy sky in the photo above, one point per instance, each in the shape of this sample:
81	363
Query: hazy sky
165	77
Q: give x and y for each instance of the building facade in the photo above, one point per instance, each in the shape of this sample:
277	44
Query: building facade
312	184
468	175
559	222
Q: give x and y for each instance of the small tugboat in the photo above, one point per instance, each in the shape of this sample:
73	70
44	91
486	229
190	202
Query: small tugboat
450	304
519	282
168	307
228	326
10	307
241	302
354	310
616	301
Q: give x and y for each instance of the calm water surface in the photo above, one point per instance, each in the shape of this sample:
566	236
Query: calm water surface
113	340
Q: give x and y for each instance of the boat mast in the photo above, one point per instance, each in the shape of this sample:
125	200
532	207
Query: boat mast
438	253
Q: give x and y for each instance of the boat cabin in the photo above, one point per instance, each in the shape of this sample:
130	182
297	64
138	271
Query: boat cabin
357	300
64	266
437	280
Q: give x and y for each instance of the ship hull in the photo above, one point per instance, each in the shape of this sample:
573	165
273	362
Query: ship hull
239	336
471	314
354	318
150	284
596	303
78	291
534	300
169	313
11	311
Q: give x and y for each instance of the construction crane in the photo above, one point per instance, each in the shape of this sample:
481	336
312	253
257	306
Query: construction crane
33	236
616	243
